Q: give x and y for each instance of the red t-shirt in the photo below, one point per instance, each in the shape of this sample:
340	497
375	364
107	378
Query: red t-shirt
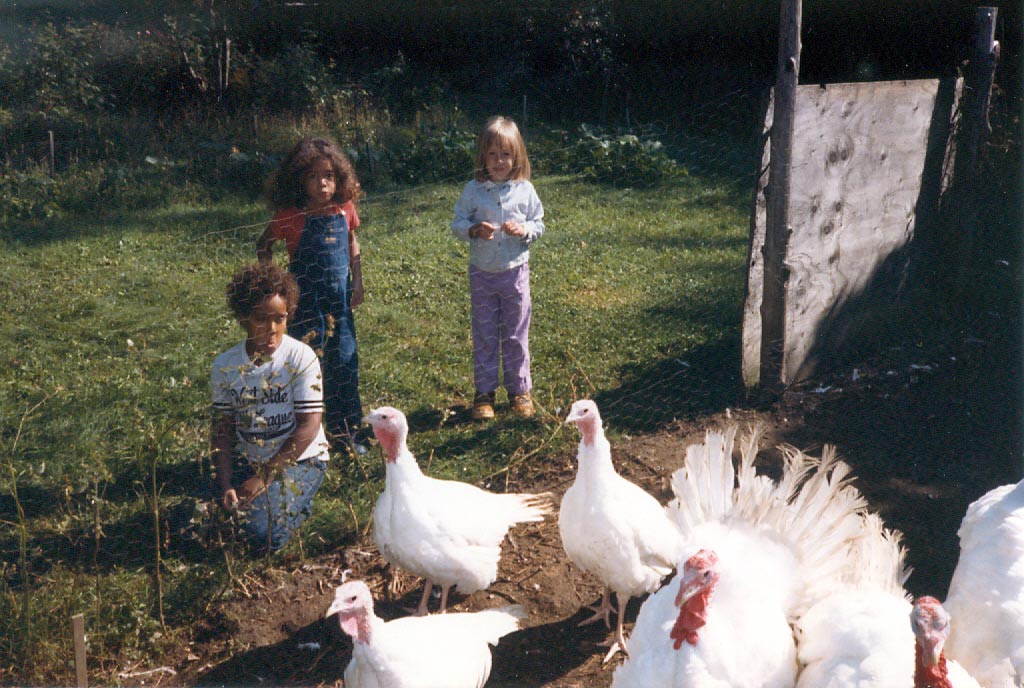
287	224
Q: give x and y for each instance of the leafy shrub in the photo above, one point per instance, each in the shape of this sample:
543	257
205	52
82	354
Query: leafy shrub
26	195
618	159
295	81
138	70
430	156
33	195
404	90
225	167
57	74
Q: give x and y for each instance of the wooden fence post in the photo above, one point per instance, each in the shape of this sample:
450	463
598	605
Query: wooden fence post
78	632
52	160
974	120
369	160
777	229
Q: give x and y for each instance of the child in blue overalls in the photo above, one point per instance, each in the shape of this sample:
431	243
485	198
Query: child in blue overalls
314	193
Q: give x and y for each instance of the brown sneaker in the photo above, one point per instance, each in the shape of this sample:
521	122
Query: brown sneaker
483	406
522	405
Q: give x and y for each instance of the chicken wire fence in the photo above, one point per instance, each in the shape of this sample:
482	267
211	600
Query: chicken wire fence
713	153
648	357
712	144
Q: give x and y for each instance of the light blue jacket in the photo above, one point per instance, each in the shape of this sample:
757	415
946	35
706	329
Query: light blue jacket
498	203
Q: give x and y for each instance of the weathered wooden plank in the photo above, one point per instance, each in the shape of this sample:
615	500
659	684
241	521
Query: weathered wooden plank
751	354
858	163
78	634
856	177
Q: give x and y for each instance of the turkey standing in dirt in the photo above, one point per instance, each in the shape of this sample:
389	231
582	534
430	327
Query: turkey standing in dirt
445	531
756	555
611	528
437	651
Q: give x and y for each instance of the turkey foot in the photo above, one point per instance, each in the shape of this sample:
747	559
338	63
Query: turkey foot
601	611
615	644
618	641
421	610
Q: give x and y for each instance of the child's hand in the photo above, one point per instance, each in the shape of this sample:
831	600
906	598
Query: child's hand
482	230
357	295
229	500
513	228
250	489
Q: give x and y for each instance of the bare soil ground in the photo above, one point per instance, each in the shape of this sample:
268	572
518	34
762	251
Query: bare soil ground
926	431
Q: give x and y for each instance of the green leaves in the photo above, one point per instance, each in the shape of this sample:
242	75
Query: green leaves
619	159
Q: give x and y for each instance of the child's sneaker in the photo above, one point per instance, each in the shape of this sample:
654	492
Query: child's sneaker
522	405
483	406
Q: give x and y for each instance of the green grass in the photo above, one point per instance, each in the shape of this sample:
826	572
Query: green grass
111	324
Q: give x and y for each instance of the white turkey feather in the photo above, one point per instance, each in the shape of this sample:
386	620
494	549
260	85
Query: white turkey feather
445	531
986	593
859	636
438	651
760	553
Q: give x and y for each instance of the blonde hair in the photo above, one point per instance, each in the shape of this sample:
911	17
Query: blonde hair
504	132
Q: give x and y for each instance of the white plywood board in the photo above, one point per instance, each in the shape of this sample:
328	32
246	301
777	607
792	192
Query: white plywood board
858	158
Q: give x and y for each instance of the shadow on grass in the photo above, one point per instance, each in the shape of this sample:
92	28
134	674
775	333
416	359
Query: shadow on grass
672	389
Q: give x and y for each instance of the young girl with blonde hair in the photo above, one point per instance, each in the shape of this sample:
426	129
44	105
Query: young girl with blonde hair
500	216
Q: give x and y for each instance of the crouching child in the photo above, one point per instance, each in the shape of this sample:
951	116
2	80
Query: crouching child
268	445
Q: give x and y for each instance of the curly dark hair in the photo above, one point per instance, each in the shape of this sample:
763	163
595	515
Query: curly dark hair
285	188
254	283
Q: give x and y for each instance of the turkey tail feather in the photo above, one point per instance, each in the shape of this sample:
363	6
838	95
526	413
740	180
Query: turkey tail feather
530	508
822	516
813	506
498	622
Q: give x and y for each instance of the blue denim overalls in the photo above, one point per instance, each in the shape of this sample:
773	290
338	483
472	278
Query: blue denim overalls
321	267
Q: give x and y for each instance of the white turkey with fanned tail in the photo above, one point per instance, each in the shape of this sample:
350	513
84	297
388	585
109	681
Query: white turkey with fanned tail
859	636
757	554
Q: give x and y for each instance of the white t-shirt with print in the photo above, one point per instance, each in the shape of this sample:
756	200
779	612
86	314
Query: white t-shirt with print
263	399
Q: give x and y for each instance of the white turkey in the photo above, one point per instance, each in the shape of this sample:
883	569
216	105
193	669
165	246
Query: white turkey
757	554
445	531
986	593
931	624
438	651
611	528
858	636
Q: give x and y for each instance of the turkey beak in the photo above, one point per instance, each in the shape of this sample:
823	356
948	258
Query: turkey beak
687	589
933	651
335	607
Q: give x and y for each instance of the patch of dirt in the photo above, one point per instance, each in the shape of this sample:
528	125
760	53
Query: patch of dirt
926	434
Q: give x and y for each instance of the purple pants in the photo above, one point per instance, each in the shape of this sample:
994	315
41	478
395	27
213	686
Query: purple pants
501	312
